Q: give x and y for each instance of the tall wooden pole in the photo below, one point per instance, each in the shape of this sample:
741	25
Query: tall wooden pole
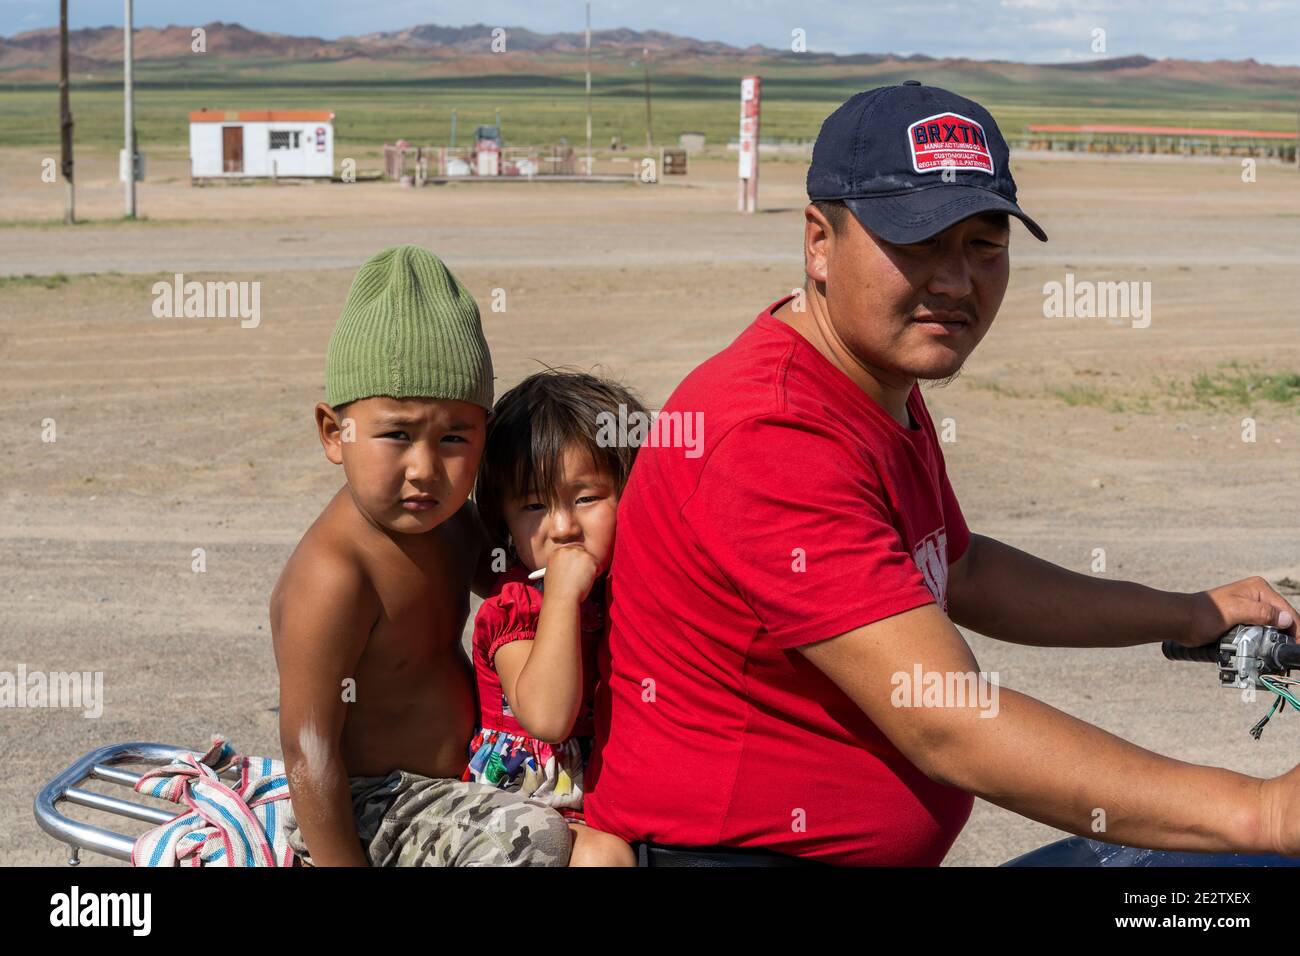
65	118
649	135
588	87
129	115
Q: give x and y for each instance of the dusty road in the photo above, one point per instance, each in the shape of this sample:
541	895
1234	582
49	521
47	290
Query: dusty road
177	434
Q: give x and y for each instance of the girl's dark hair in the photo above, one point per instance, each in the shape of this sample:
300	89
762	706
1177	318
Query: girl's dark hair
531	426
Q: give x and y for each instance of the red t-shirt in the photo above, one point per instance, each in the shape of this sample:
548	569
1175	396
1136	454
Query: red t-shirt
806	512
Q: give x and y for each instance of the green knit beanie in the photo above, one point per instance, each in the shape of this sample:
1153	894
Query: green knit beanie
409	330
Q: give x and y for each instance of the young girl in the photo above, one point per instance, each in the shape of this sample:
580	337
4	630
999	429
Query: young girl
548	494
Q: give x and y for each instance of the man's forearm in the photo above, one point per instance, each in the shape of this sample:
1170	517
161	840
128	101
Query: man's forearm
1013	596
1046	765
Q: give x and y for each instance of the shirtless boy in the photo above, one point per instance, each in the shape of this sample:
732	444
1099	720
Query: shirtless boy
376	694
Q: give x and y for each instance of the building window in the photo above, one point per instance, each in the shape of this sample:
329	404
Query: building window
285	138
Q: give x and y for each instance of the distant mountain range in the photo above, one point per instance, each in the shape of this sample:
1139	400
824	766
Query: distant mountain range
34	55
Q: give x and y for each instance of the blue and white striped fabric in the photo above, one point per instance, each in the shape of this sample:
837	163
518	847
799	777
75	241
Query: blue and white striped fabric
238	825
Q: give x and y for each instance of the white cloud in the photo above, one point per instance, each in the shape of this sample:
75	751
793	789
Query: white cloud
1076	27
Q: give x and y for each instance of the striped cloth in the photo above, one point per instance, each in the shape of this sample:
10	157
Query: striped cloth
225	825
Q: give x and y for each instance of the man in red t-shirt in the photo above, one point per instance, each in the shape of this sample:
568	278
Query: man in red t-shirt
782	672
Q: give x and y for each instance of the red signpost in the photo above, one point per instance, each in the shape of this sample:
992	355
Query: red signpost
750	90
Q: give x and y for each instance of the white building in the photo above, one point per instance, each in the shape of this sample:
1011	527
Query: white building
250	143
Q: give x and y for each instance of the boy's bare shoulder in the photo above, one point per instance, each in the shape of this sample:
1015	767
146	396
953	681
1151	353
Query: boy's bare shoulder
326	571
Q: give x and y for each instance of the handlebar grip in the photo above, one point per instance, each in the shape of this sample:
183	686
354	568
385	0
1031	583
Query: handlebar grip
1288	655
1206	653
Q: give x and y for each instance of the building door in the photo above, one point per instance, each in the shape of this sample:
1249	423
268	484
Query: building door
232	149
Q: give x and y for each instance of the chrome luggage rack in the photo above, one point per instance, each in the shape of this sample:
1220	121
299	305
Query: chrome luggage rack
99	765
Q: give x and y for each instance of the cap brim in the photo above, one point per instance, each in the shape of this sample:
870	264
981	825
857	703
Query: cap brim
919	214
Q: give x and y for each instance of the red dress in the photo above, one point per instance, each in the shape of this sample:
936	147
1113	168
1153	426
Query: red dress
502	752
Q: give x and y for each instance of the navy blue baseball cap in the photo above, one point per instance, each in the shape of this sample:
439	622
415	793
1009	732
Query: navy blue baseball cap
912	160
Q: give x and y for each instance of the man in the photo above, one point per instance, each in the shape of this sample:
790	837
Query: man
768	593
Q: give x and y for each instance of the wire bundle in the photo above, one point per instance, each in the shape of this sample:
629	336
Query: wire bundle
1280	687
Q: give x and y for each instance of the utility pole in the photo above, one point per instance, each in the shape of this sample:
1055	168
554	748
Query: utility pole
588	87
65	117
649	136
453	129
129	117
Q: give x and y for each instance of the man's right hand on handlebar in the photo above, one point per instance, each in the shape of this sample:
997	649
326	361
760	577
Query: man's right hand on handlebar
1248	601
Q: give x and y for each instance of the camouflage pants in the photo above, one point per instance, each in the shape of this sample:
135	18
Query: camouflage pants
408	820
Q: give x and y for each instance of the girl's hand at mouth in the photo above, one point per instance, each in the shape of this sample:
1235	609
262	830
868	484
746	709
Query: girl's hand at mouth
570	572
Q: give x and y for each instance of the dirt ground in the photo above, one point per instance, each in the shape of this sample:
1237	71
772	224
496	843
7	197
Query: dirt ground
176	434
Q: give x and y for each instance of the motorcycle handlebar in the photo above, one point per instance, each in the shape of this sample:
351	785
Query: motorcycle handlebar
1206	652
1285	656
1288	655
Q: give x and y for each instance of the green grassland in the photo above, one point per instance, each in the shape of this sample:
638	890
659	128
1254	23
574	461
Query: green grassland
1230	386
378	101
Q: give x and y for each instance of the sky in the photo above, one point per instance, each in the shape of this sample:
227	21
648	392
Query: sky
1030	31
